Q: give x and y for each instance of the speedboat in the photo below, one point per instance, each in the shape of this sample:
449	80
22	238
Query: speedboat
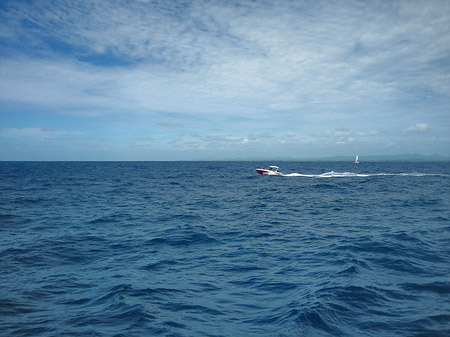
271	171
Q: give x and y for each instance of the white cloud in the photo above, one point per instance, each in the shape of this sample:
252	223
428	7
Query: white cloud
418	128
368	133
243	67
345	136
215	142
342	133
212	54
37	133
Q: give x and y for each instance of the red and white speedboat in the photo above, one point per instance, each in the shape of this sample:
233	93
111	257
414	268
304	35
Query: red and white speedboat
271	171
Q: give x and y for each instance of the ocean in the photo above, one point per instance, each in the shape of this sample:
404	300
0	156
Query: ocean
214	249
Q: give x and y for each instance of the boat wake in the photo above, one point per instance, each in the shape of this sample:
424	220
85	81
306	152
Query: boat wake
330	174
333	174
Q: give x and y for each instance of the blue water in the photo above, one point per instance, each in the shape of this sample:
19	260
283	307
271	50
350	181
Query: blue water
214	249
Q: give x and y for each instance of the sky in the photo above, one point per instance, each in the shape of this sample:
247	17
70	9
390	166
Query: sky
218	80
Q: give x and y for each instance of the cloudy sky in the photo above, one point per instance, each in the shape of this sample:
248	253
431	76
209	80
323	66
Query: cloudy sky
198	79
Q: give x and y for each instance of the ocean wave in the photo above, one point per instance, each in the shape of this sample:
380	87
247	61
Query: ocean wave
183	240
114	249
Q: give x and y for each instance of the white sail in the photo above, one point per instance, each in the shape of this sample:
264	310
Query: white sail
356	160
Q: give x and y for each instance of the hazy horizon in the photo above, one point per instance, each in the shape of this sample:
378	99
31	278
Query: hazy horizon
371	158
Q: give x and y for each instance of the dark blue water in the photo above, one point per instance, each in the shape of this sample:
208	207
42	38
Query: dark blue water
214	249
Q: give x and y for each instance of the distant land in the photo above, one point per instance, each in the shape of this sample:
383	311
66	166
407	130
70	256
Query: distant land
402	157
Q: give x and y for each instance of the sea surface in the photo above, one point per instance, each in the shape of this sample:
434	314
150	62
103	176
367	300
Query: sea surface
214	249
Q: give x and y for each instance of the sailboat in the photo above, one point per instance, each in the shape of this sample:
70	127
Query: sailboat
356	160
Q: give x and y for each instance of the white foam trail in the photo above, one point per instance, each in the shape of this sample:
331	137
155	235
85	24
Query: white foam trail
333	174
330	174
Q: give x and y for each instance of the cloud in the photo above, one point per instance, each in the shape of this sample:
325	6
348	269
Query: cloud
142	142
345	136
210	54
37	133
369	133
230	71
170	124
215	142
210	142
415	129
